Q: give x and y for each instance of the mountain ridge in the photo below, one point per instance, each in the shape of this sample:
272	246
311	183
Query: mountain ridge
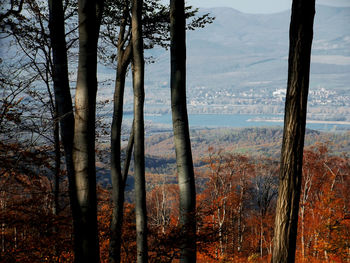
236	39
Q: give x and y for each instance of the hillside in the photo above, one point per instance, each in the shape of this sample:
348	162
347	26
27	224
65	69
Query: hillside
250	141
255	142
240	60
238	50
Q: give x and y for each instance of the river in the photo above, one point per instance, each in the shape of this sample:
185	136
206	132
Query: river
242	121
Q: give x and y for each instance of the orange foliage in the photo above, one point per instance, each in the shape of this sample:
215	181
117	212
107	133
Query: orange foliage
30	229
238	191
326	221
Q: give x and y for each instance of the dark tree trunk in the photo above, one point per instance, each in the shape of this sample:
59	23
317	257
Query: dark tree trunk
181	131
84	129
139	147
301	34
64	108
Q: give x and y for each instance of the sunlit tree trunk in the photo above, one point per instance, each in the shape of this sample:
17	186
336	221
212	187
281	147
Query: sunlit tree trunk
84	129
240	216
181	131
305	195
139	147
301	34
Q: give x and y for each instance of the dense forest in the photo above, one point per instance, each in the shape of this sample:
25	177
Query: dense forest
235	211
213	195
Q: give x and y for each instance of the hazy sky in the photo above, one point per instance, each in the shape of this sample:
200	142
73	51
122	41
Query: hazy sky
259	6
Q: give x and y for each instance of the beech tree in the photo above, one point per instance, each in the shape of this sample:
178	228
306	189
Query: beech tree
139	139
124	53
116	35
84	130
300	41
181	130
64	107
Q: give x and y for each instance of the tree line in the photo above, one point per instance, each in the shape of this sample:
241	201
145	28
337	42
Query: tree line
48	58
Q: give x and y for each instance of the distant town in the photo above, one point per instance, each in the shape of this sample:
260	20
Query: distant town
324	103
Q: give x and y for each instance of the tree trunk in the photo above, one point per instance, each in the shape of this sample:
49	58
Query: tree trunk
240	217
301	34
139	147
84	130
118	184
302	219
261	236
63	101
57	166
181	131
119	178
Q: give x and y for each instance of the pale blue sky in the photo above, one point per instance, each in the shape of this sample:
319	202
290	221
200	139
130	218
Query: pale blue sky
259	6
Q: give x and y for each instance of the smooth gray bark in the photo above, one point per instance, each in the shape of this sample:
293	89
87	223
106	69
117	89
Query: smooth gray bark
181	131
139	147
84	129
300	34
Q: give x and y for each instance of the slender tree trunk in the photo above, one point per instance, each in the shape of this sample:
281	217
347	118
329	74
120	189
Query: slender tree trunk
240	216
181	131
128	154
302	219
3	237
84	130
3	225
57	166
261	236
118	182
139	147
56	206
301	34
220	241
63	101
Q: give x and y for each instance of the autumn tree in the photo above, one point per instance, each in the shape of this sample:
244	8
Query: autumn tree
300	35
28	33
163	223
264	193
220	194
237	203
323	216
33	217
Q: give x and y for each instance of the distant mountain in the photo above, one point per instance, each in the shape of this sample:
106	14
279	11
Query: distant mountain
240	51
